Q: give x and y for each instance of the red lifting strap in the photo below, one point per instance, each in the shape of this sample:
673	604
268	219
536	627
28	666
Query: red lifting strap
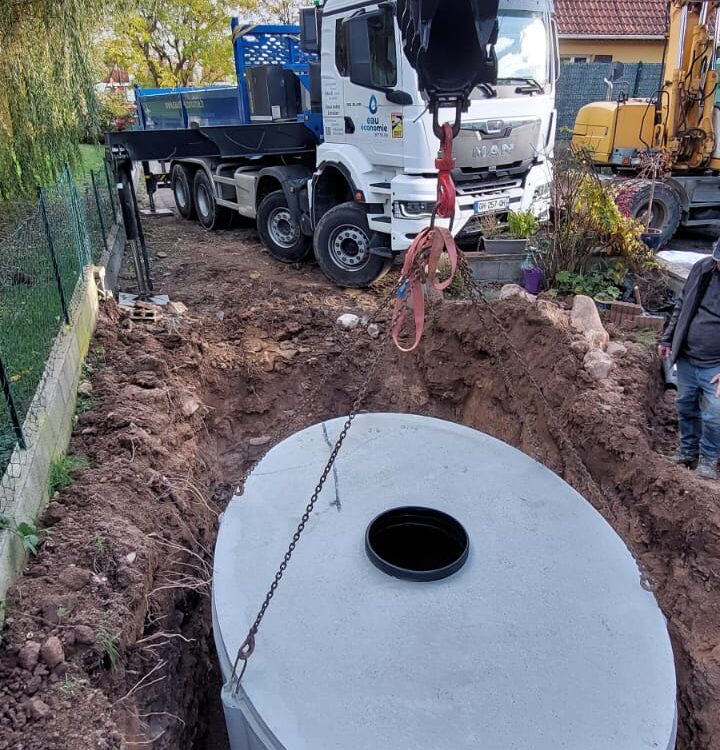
427	249
445	163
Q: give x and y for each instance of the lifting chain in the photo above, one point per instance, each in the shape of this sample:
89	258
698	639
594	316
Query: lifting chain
247	648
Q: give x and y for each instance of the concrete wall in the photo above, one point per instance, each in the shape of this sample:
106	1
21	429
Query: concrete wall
24	487
582	83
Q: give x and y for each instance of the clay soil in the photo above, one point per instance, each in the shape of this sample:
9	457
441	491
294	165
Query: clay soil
178	412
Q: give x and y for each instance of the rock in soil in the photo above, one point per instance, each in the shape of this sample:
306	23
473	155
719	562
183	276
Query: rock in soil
37	708
348	321
29	655
52	651
598	364
510	291
84	635
585	318
616	349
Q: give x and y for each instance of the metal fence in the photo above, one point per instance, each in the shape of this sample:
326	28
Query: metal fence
582	83
41	268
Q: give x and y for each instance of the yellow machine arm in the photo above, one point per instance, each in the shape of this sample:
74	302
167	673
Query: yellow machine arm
679	119
684	126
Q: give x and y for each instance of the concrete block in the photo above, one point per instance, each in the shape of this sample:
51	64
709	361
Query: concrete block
495	268
623	313
654	322
24	488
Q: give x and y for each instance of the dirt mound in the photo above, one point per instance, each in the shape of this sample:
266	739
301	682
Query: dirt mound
182	409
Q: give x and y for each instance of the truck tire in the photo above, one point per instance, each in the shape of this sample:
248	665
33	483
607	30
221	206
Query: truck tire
667	210
209	214
280	231
182	186
342	248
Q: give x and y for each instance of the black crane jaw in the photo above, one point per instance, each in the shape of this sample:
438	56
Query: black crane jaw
450	43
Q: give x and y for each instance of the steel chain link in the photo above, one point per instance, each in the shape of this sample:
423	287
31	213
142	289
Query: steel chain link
248	646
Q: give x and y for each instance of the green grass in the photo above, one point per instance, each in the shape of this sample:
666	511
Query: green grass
108	645
61	471
91	159
646	336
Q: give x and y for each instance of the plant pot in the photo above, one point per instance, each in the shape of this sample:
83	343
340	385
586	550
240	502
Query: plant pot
533	279
652	238
505	246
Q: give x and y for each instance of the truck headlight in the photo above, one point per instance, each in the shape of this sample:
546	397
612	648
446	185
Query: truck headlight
542	192
413	209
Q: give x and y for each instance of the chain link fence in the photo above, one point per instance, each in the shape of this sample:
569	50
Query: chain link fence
41	270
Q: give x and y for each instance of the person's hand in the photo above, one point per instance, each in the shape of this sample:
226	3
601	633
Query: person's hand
716	379
665	351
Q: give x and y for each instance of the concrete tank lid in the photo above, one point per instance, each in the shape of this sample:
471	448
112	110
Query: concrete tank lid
545	639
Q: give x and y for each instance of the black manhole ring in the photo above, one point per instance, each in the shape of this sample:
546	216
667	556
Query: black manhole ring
417	544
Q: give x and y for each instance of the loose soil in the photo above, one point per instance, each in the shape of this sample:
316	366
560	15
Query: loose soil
181	409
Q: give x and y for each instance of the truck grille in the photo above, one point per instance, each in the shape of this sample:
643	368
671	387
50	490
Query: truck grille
480	185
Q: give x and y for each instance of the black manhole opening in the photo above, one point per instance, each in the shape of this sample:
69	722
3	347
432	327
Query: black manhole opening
417	544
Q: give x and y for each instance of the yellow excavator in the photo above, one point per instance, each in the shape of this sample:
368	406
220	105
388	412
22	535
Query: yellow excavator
681	122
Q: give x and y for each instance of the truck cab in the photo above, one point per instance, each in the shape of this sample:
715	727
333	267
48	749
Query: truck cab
357	183
376	123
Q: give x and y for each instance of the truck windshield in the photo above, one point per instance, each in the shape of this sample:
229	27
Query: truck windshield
522	49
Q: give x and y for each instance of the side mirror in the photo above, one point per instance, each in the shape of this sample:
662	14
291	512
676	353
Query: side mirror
371	49
618	71
310	30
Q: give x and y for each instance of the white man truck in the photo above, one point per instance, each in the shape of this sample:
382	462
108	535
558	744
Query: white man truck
328	143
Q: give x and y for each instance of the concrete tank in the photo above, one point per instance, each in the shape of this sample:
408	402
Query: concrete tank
542	638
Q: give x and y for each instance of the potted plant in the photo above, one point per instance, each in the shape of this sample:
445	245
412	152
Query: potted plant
532	274
521	225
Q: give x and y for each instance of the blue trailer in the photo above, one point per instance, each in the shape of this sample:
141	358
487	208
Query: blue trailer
257	49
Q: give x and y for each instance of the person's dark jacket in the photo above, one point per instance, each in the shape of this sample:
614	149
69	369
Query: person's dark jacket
687	305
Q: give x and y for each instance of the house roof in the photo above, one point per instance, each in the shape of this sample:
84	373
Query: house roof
633	18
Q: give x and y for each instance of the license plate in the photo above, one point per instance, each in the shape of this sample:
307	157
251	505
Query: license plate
491	206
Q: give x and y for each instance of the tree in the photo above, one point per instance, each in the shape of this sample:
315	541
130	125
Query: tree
282	11
47	95
174	42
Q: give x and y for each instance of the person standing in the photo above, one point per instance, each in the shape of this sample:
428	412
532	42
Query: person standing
692	341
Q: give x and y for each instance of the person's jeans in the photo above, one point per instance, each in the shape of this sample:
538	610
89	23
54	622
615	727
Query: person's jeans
698	410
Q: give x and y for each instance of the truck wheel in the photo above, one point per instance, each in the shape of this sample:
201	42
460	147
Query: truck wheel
209	214
666	213
181	181
280	231
342	248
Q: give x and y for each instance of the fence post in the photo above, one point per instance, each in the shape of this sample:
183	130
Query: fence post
638	76
99	209
17	427
53	254
110	190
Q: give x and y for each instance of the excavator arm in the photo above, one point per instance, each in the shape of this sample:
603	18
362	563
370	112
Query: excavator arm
684	123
